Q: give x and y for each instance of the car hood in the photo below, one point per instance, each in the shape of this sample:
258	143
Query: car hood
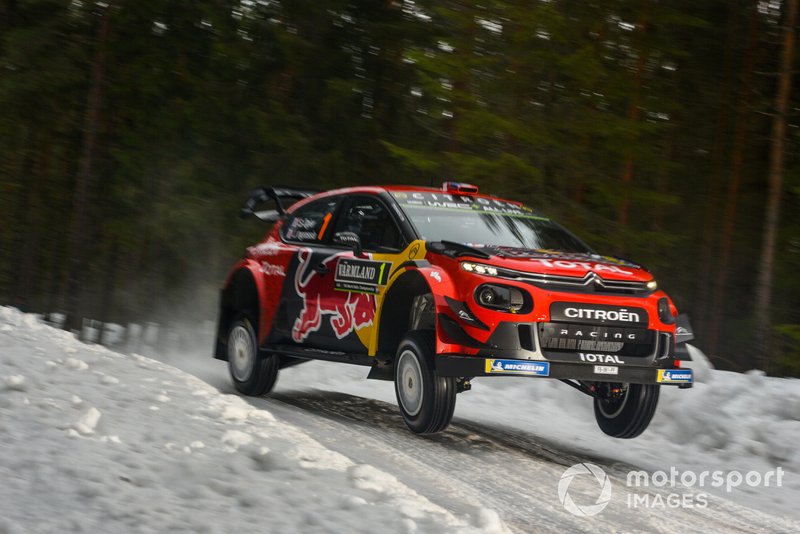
563	263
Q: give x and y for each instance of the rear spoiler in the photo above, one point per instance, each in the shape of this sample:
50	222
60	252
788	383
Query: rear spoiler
277	194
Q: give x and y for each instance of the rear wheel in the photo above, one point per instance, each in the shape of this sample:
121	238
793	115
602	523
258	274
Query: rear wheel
252	373
426	400
625	410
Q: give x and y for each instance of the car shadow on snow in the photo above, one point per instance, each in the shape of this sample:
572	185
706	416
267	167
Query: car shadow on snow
468	437
371	417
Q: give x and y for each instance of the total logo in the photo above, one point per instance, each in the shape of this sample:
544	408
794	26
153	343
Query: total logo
270	269
601	358
596	267
584	470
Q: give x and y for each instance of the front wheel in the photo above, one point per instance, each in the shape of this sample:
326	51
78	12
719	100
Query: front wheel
252	373
426	400
625	410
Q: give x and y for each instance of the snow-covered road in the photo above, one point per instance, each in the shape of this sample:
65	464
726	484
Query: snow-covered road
328	451
514	473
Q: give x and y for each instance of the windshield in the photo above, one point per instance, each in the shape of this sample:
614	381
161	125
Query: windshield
484	221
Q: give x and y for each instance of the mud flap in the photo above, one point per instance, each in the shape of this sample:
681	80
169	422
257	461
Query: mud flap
683	334
381	371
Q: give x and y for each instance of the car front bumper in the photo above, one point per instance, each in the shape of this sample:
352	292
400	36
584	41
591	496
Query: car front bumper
473	366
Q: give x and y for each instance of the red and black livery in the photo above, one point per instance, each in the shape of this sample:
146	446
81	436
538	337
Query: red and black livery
431	288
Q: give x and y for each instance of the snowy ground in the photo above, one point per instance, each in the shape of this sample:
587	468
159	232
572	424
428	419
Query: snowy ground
95	441
328	451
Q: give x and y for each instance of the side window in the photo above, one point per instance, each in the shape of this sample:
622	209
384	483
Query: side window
368	218
309	223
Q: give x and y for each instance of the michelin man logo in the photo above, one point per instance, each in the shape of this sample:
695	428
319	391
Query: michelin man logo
584	510
497	366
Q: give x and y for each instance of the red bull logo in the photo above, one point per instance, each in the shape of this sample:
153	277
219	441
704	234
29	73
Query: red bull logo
347	313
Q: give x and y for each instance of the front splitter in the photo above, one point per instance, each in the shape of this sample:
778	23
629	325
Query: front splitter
472	366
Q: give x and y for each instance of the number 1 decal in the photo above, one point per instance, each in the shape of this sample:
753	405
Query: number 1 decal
325	222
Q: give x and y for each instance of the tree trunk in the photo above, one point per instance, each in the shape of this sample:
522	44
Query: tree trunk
732	197
9	13
18	235
775	178
709	237
80	199
107	298
34	230
633	118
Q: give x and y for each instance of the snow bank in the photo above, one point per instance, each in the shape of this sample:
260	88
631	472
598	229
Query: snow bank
96	441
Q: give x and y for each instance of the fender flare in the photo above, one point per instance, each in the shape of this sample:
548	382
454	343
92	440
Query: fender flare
244	289
410	279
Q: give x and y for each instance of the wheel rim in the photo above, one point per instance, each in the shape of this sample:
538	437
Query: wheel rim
241	353
409	383
611	408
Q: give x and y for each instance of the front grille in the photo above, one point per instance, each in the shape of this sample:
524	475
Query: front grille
588	345
590	283
573	337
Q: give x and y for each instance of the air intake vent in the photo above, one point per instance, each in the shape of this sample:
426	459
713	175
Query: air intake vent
567	337
526	337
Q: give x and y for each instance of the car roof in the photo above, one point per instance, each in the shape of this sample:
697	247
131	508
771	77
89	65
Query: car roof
377	189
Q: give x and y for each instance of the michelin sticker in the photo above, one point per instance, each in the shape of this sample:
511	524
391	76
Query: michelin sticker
518	367
361	276
671	376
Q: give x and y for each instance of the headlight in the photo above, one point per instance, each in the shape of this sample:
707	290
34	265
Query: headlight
501	298
479	268
652	285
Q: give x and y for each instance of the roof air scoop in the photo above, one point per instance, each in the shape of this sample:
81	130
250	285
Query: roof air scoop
460	188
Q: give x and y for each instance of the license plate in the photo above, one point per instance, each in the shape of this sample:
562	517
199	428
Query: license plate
606	370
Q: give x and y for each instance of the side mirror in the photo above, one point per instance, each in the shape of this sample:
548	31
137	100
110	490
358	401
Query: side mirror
351	239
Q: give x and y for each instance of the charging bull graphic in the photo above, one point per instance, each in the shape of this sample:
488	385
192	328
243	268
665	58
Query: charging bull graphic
349	313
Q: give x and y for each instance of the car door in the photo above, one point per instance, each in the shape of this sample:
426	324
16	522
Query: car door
330	294
307	297
358	280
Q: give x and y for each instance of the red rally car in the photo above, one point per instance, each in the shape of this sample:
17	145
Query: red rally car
431	288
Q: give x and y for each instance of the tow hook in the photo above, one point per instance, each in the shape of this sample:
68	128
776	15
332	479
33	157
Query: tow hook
463	385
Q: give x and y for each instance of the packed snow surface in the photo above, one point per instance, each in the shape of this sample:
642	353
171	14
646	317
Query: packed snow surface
96	441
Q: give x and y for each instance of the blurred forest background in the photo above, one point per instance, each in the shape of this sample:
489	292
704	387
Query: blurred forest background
666	132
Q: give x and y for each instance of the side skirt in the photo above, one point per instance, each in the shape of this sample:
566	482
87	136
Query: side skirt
293	355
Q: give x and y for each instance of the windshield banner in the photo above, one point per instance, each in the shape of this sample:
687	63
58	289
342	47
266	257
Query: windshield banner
447	201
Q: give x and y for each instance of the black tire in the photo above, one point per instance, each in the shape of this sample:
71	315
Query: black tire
629	415
253	373
426	400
